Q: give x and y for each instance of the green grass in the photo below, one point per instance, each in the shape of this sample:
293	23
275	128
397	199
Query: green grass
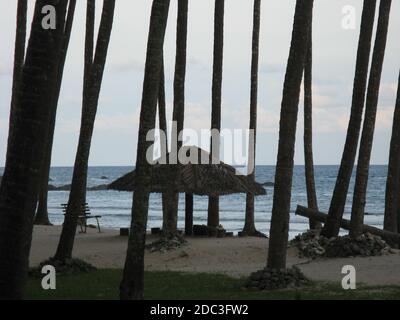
103	284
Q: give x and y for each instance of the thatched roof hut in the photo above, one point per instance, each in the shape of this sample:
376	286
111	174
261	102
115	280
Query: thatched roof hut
199	179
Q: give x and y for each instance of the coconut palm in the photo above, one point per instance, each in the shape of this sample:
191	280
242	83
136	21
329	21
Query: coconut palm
171	221
25	150
364	157
391	220
132	283
213	202
336	209
308	133
287	135
249	225
19	52
42	216
93	75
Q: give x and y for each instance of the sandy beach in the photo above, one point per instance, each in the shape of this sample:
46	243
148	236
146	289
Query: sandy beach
237	257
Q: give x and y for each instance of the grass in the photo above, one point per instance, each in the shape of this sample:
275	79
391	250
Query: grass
103	284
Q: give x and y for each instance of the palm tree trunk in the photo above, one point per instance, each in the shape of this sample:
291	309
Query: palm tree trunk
308	134
391	219
171	221
188	214
162	119
287	135
92	85
42	216
249	224
332	226
25	151
364	158
19	53
132	283
213	202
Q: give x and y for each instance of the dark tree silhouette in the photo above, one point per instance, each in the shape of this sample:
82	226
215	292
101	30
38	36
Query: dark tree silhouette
287	135
20	183
249	224
93	75
213	202
367	137
171	221
19	53
42	216
308	133
332	226
391	221
132	283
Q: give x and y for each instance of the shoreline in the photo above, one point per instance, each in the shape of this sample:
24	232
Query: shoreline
233	256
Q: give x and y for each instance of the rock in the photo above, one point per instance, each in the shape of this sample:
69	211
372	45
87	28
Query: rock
312	245
66	187
155	231
124	232
268	184
167	243
271	279
200	230
98	188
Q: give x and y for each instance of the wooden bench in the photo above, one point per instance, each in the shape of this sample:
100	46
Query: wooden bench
83	217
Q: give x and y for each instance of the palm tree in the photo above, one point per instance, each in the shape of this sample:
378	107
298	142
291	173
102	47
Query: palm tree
249	225
287	136
308	133
93	75
19	53
213	202
42	216
360	189
391	220
25	150
132	283
171	221
332	226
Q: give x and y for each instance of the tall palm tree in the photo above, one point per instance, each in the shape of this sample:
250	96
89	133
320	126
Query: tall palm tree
391	220
287	135
42	216
249	225
19	53
25	150
364	157
171	221
93	76
308	133
132	283
213	202
332	226
162	124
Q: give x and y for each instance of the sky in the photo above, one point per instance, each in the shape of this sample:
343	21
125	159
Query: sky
115	135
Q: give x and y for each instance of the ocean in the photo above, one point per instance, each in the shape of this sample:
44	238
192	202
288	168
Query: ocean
115	207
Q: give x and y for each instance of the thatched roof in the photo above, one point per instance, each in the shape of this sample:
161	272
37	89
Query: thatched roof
200	179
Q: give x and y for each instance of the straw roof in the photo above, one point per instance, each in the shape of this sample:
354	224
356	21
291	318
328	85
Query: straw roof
200	179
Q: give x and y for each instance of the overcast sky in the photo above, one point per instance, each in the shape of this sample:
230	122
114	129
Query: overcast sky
115	135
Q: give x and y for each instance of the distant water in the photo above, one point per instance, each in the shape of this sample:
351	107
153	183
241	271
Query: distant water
115	207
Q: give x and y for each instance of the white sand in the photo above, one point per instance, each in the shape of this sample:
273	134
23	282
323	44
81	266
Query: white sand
232	256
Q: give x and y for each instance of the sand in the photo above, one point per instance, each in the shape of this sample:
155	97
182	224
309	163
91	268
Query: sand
237	257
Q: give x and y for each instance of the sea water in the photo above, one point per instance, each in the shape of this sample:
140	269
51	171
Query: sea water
115	207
